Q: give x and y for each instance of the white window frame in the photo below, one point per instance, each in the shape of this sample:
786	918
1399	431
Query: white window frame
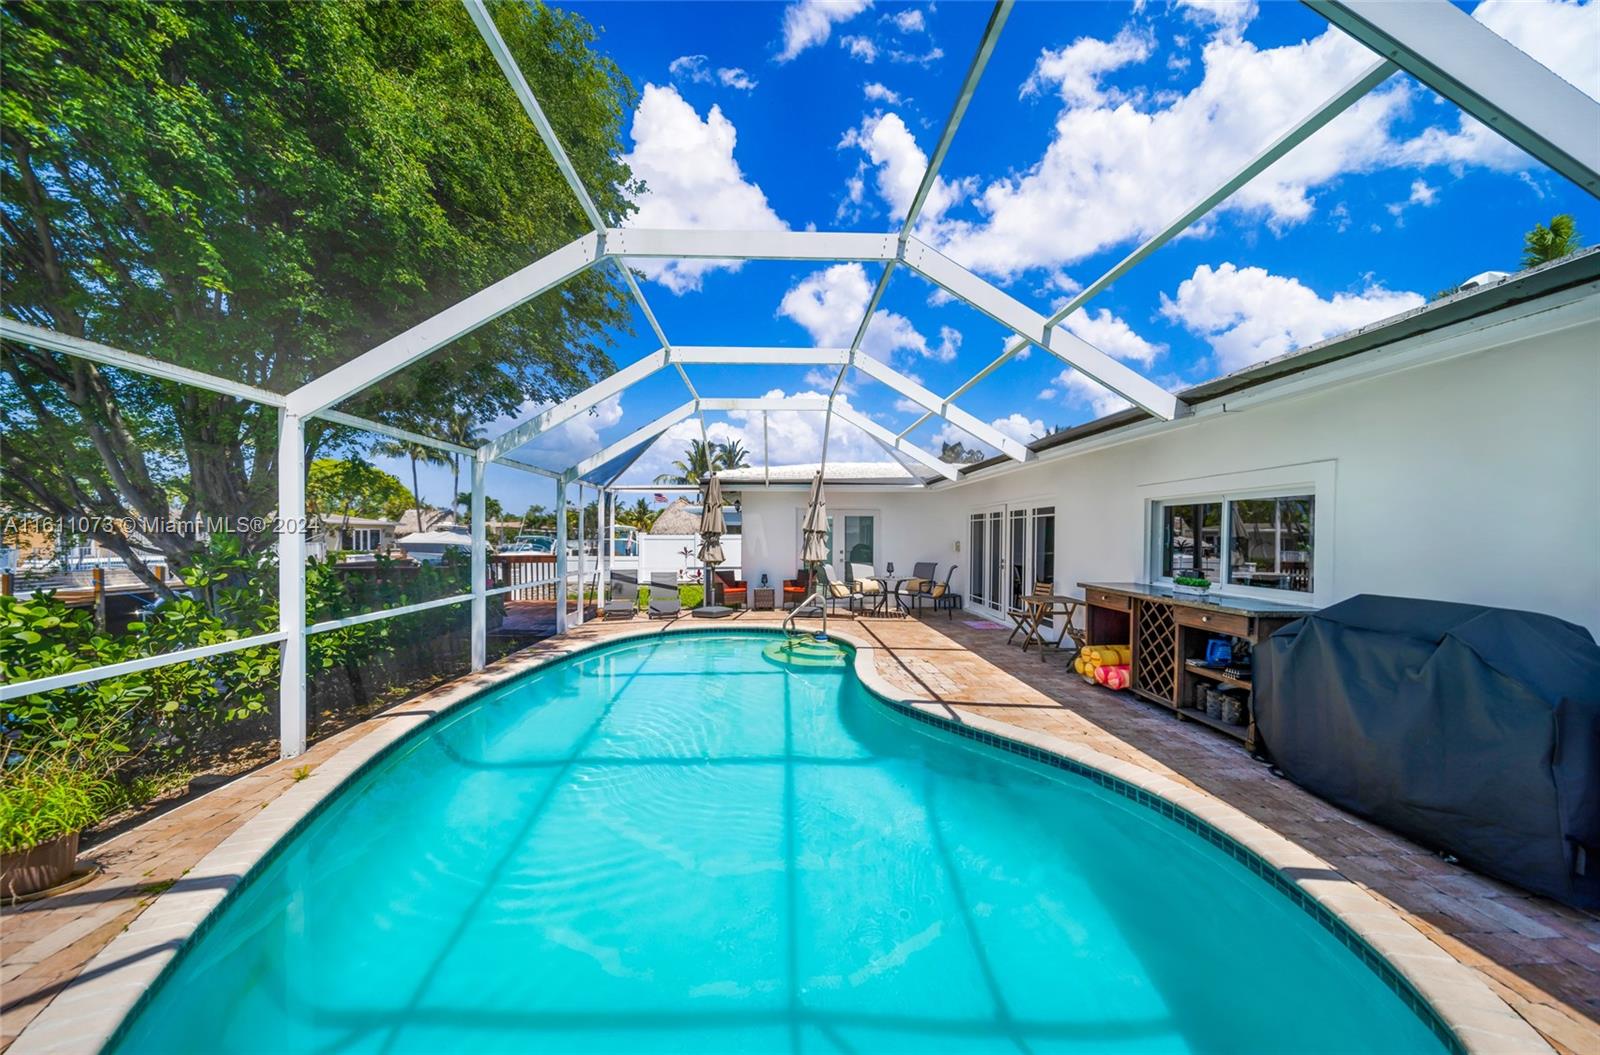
1317	479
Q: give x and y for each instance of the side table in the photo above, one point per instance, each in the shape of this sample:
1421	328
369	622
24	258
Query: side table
765	599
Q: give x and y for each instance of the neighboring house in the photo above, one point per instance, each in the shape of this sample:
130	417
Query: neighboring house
357	535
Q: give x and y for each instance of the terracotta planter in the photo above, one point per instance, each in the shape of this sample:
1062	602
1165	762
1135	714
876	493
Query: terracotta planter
38	867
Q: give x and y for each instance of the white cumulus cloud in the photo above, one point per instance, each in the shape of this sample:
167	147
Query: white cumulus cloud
893	151
691	180
1248	314
736	78
909	20
860	47
878	93
830	304
810	22
1019	428
794	436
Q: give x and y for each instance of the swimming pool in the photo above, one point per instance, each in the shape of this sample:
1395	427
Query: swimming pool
677	845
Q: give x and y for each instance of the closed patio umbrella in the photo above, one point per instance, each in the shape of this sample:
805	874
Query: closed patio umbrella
814	535
712	526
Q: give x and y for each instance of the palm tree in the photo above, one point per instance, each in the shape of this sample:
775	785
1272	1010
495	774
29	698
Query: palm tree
1544	244
732	455
417	453
699	461
639	515
460	429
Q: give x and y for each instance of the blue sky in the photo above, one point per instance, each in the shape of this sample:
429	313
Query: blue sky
1095	124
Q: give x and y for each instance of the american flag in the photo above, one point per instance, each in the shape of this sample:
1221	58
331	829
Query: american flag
659	497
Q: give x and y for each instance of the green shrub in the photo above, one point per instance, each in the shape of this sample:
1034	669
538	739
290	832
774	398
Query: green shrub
1199	582
42	800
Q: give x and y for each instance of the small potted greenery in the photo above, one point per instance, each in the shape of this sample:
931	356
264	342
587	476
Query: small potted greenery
44	805
1192	585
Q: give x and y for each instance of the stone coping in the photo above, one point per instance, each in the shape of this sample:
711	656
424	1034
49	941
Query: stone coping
88	1013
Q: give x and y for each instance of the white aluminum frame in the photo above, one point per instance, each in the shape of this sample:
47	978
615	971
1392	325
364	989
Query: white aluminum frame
1433	40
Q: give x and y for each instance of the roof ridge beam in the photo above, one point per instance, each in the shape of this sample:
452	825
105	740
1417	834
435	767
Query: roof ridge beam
741	404
757	355
704	243
601	390
454	322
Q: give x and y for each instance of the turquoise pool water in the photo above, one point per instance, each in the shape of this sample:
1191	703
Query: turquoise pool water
679	846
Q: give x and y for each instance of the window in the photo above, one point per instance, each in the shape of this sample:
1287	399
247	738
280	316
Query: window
1044	544
1270	542
1267	540
1191	539
362	539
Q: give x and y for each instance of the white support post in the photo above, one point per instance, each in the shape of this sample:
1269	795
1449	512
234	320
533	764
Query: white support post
607	519
291	585
480	566
582	540
561	556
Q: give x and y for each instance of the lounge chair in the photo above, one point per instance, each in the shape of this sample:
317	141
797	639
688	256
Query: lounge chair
731	591
1022	615
909	592
664	602
624	600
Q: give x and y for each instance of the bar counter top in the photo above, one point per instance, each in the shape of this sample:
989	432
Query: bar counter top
1220	602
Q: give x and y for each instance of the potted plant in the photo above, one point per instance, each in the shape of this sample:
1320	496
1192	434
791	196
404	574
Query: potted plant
44	805
1192	585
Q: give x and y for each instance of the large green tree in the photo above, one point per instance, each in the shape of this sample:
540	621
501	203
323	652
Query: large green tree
263	191
340	488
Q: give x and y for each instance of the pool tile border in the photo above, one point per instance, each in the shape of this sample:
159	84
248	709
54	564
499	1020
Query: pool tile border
1452	1000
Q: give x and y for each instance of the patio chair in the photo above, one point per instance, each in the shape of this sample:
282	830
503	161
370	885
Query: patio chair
1022	615
835	591
797	589
624	599
865	584
943	598
909	592
732	591
664	602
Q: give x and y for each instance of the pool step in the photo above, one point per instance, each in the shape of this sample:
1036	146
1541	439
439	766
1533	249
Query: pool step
805	652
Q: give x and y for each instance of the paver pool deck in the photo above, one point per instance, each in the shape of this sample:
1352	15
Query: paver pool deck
1540	957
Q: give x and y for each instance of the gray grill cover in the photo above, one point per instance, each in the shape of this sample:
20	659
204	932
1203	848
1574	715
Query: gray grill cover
1468	729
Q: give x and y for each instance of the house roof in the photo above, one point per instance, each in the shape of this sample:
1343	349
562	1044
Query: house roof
431	519
843	472
677	519
336	521
1569	273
